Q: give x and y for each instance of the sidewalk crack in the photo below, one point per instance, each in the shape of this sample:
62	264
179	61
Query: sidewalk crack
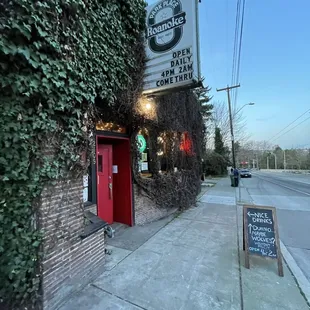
118	297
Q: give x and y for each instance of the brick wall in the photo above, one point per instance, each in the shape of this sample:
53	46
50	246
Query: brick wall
146	210
92	208
69	262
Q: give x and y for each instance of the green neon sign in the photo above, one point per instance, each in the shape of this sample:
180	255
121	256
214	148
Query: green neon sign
141	143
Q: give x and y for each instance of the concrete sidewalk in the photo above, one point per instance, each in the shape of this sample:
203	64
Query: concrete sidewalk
192	262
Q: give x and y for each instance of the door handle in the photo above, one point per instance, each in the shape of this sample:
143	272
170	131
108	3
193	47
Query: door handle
110	190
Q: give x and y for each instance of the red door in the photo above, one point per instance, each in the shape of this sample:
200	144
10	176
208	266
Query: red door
104	183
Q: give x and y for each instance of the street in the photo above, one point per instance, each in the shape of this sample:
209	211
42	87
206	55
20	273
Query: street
290	194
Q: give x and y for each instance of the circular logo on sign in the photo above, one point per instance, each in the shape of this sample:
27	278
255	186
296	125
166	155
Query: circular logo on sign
141	143
165	24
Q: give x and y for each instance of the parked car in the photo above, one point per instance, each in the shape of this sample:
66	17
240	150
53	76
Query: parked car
245	173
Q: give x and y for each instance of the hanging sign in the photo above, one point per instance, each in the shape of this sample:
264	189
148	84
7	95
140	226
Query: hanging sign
172	46
261	236
141	143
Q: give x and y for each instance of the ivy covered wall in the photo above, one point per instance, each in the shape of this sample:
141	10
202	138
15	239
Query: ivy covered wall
173	125
56	58
176	145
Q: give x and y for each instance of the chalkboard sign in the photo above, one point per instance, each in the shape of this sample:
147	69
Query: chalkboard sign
261	235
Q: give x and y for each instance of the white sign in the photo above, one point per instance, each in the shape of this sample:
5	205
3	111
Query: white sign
85	194
172	45
144	157
85	188
115	169
85	180
144	166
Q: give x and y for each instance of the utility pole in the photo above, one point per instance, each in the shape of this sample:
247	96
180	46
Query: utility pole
227	89
267	162
257	162
284	159
275	161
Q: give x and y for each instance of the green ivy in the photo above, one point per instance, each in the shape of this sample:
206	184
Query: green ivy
56	57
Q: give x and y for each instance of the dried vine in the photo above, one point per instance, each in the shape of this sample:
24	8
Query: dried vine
177	114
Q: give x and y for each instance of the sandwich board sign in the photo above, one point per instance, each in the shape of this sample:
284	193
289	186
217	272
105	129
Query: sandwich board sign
261	235
172	46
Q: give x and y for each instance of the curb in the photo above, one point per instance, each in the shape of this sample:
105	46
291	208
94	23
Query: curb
301	279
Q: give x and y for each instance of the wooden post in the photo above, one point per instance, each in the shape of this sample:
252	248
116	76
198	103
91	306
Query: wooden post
245	238
243	234
227	89
279	253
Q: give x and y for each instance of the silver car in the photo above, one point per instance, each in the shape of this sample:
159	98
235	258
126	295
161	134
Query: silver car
245	173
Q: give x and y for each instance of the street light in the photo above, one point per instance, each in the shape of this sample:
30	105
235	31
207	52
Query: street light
250	103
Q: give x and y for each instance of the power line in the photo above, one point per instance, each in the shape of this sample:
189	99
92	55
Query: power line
227	49
293	127
239	52
235	42
299	117
240	42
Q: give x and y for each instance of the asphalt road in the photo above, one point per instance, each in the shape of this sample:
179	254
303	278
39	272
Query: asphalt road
290	194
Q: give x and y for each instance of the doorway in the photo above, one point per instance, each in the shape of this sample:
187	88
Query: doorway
114	184
105	182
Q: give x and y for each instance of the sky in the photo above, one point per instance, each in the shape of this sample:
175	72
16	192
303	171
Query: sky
275	64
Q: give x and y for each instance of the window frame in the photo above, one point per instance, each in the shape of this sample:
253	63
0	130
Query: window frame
92	188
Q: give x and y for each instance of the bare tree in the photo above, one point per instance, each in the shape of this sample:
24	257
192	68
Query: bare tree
254	151
220	119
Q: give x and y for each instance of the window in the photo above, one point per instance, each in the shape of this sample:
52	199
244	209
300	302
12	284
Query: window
89	186
100	167
85	188
143	144
110	127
